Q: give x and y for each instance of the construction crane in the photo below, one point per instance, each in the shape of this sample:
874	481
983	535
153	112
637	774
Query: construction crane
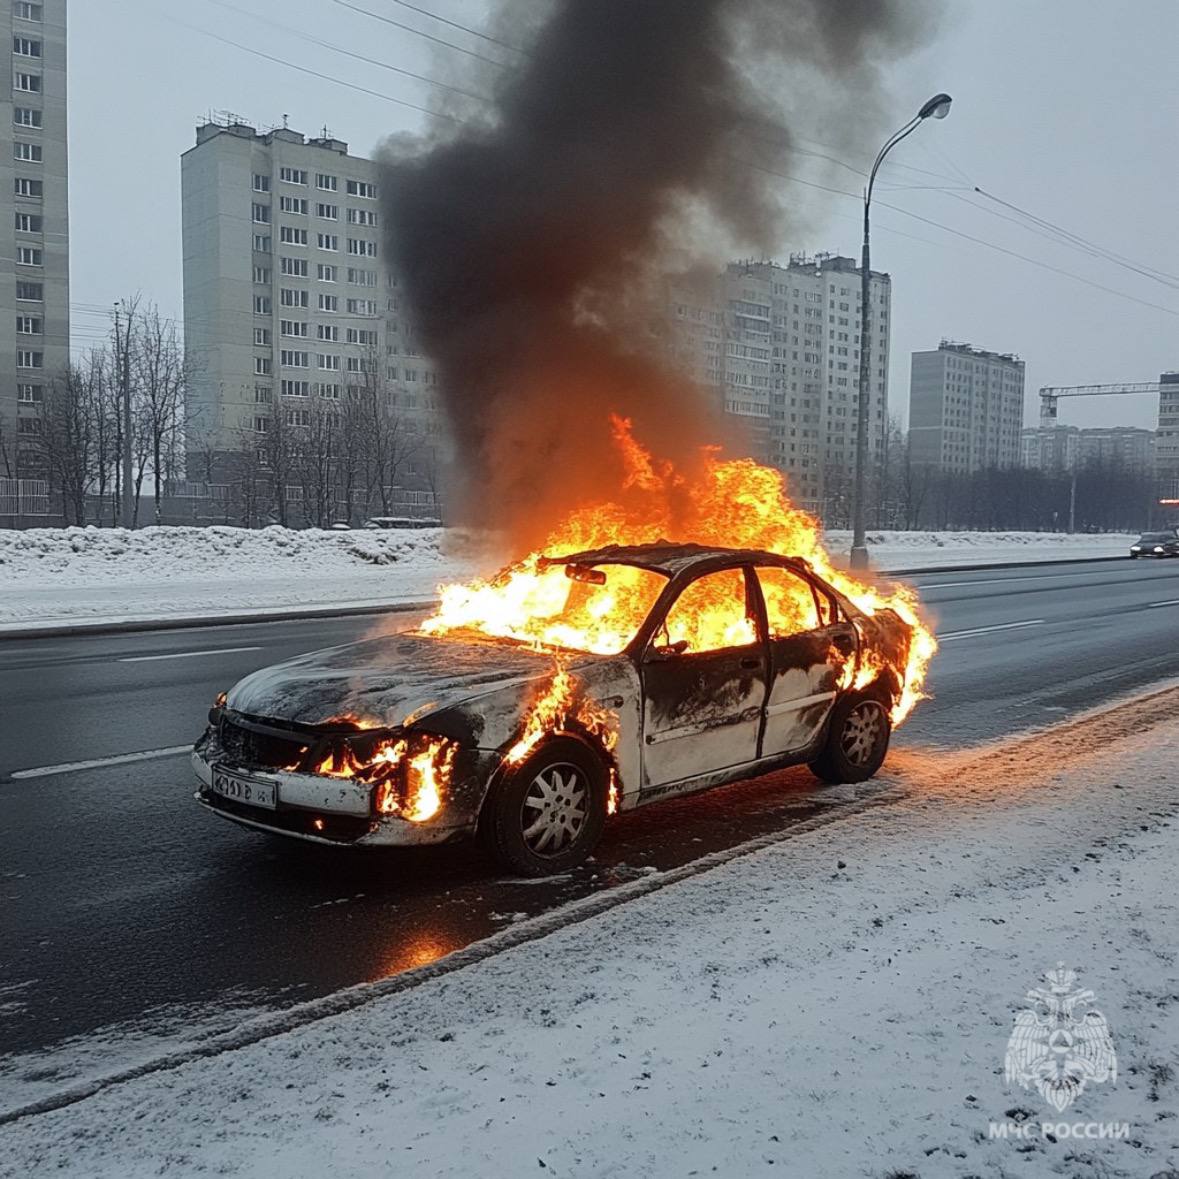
1051	393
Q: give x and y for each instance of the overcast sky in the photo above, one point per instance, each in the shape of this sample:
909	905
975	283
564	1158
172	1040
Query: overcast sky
1065	108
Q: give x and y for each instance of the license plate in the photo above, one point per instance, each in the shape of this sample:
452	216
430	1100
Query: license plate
248	790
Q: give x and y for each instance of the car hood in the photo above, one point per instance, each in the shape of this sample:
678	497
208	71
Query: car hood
388	679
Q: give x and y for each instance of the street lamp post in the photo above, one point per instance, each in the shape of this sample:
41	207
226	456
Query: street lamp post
937	107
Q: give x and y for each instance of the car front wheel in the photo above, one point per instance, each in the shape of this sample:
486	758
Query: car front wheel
546	816
857	740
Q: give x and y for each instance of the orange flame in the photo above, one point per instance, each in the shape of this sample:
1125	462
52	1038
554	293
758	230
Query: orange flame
427	773
734	503
556	707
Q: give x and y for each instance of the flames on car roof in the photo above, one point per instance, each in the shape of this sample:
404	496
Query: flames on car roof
663	556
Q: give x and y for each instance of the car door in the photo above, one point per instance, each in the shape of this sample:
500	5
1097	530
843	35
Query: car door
809	648
704	676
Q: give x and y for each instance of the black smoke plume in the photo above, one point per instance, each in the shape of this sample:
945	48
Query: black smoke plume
529	243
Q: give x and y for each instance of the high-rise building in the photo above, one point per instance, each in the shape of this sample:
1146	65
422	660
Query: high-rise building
780	347
1065	448
1167	438
35	240
965	408
287	301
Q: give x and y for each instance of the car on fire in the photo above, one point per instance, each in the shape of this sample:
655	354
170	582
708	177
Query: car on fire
740	662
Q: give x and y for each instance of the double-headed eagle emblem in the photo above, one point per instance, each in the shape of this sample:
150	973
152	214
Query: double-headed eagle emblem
1056	1046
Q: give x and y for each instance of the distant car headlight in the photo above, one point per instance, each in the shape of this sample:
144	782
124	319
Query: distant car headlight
1158	548
1135	548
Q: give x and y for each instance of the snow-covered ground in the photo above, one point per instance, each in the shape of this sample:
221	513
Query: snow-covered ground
88	575
923	550
835	1005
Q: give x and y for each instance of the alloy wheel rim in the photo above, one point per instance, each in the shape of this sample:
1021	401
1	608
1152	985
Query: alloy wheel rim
862	732
555	809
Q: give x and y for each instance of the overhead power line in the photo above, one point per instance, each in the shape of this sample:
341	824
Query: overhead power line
420	33
454	24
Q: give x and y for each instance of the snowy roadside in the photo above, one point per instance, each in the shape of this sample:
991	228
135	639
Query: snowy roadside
838	1005
52	577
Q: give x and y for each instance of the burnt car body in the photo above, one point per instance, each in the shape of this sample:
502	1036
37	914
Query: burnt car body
1156	544
678	720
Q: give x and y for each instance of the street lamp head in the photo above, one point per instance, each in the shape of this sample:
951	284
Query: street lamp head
937	107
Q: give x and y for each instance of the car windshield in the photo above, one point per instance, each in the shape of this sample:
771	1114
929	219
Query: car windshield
1155	537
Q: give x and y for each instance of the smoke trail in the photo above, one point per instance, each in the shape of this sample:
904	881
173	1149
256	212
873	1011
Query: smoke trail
529	246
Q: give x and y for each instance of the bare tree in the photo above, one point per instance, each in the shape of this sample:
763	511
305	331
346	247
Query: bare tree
315	460
67	438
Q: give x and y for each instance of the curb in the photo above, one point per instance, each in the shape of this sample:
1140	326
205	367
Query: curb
77	629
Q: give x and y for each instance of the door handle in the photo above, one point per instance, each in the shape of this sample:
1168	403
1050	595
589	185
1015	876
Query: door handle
751	661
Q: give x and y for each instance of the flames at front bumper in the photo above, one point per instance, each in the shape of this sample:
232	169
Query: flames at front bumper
400	789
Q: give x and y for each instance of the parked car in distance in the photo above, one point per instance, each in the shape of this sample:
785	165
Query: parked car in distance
1156	544
402	522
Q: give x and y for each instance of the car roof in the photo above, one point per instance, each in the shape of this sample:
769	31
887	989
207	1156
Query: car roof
663	556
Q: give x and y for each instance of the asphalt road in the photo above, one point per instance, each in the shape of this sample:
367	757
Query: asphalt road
126	909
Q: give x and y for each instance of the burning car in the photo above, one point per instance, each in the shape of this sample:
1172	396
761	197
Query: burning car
535	705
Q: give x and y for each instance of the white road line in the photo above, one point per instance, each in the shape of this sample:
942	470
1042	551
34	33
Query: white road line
1172	602
70	767
986	630
983	581
185	654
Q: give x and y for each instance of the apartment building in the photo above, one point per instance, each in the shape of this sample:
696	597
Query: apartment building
780	348
1065	448
35	238
287	300
965	408
1167	438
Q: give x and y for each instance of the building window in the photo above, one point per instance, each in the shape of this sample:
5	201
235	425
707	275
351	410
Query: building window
261	425
293	205
362	188
27	116
292	176
262	394
362	307
289	297
292	237
29	153
30	394
328	212
290	359
327	331
30	256
331	392
25	358
292	327
362	248
261	243
329	303
362	278
261	182
261	304
23	186
331	363
28	325
28	426
326	273
27	83
30	292
296	388
262	366
29	222
325	182
262	274
262	337
296	267
261	214
25	11
362	217
328	241
361	336
26	47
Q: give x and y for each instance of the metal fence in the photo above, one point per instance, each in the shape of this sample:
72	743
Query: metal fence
24	497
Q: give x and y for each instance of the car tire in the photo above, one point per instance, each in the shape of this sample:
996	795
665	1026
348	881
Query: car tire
857	739
547	814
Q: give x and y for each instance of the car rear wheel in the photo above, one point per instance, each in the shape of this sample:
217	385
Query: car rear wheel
546	816
857	740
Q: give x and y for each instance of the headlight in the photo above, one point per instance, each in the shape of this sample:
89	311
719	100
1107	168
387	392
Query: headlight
1135	548
1158	548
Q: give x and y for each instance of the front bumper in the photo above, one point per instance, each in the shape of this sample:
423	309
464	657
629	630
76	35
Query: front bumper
338	811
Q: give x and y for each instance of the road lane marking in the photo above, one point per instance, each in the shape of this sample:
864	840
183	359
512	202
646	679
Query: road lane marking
987	581
186	654
1172	602
120	759
949	636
